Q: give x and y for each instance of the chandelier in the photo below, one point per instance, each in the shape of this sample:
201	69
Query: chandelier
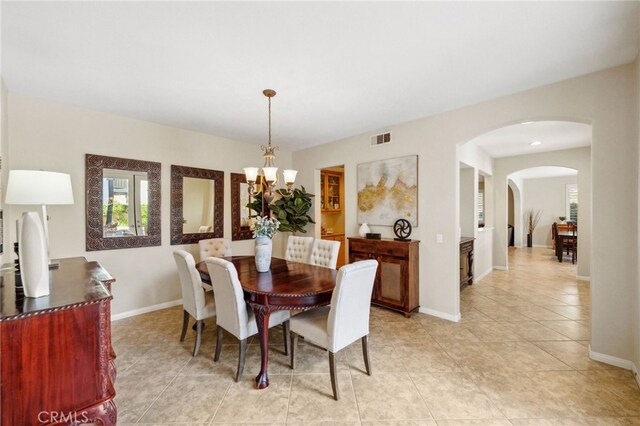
269	169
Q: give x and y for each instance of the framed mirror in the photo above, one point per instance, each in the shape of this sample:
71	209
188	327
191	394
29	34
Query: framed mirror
197	204
240	213
123	203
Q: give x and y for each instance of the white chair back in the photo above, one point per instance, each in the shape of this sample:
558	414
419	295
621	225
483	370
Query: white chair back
231	312
350	304
216	247
298	249
193	299
325	253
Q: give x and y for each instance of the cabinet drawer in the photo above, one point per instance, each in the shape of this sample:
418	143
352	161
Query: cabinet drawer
466	247
395	250
361	246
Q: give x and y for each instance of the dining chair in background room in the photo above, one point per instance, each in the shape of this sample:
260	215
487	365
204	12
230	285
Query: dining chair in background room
344	321
195	301
216	247
554	234
325	253
572	243
298	249
233	313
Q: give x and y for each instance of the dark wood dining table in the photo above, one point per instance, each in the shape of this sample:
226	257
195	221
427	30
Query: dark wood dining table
562	237
286	286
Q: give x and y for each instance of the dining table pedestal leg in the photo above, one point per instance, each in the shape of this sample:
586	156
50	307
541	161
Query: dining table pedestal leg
262	314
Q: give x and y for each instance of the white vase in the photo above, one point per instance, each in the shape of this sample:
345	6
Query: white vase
34	262
263	253
364	230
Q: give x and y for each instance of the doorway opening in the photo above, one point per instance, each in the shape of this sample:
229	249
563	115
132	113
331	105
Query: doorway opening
332	208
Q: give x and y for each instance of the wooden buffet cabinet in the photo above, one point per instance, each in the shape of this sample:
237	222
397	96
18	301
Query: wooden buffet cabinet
396	285
56	354
466	262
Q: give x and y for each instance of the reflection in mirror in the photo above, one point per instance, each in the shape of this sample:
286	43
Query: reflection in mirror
197	207
123	203
243	209
197	204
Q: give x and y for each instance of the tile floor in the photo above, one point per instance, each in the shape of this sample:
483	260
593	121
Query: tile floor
518	357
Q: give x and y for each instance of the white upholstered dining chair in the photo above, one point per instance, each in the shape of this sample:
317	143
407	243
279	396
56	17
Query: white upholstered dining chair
233	313
298	249
216	247
344	321
325	253
195	301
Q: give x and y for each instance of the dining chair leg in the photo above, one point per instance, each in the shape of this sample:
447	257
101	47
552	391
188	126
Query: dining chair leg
333	374
365	354
285	334
219	336
241	355
185	325
294	343
199	325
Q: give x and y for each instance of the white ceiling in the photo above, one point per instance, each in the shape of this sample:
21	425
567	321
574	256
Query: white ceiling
516	139
340	68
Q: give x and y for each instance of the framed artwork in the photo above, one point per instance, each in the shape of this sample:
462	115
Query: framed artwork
388	191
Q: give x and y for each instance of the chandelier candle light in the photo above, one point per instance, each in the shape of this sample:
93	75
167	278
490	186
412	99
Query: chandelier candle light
269	169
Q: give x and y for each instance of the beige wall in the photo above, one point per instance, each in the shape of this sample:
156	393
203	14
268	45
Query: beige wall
636	329
51	136
606	99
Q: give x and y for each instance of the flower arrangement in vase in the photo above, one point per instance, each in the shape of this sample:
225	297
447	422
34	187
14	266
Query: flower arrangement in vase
264	228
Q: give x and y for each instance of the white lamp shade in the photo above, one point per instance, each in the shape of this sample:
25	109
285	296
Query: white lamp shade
270	173
38	187
289	176
251	173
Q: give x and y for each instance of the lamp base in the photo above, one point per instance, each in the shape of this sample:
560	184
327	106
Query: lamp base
33	256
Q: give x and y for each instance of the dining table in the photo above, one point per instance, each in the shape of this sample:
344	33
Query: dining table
287	285
560	242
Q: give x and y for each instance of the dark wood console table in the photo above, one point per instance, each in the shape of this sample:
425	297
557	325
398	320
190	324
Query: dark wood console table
286	286
56	356
466	261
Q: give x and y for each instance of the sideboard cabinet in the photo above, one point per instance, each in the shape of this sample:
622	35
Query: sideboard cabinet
396	284
57	362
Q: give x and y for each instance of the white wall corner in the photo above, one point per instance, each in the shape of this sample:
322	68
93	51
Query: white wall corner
477	279
146	310
636	373
443	315
612	360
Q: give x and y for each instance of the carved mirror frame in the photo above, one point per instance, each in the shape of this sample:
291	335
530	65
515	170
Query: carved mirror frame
177	217
95	239
238	232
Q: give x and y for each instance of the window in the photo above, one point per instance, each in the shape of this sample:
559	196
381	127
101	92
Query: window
481	208
572	202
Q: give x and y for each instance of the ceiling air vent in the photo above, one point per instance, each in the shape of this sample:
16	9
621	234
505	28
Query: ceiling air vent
381	139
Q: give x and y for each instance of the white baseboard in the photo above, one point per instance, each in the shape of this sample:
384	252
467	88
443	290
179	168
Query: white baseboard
484	274
501	268
611	360
146	309
448	317
581	278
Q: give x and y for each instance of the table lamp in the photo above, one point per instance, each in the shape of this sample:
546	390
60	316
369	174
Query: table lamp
36	187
